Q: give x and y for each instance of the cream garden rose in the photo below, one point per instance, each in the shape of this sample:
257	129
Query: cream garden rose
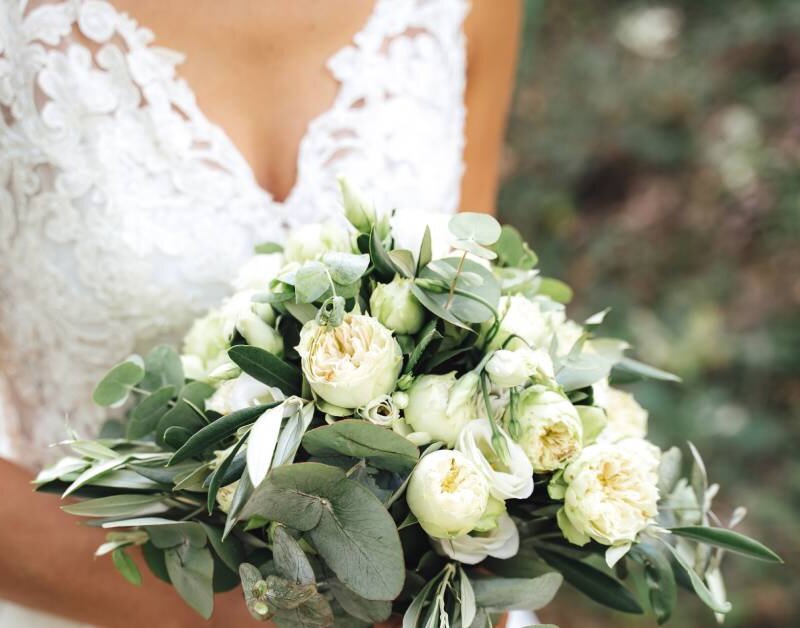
610	493
551	432
447	493
441	405
626	418
351	364
310	242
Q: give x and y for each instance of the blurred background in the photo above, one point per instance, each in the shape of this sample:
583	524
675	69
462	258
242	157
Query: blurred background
653	162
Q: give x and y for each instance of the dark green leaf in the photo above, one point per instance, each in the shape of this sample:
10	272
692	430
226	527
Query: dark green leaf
697	583
114	388
425	250
184	414
659	579
148	413
360	439
154	558
465	309
267	368
384	266
370	611
117	506
126	566
426	336
291	561
516	593
162	367
215	479
594	583
217	431
729	540
191	571
230	550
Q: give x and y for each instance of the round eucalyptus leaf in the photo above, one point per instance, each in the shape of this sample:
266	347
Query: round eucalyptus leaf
114	388
463	308
481	228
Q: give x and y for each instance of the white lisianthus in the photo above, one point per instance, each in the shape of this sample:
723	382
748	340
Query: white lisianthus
310	242
502	541
511	481
507	368
626	418
441	405
408	229
351	364
396	308
551	432
258	271
447	494
252	320
610	494
540	322
381	411
241	392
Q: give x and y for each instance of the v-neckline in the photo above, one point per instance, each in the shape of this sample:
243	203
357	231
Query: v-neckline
219	130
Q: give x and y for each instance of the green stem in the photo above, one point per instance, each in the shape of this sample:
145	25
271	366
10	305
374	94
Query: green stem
455	280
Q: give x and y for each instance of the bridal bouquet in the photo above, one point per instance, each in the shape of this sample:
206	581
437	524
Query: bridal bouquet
396	418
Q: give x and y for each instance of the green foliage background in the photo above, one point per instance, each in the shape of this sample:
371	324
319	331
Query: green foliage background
668	186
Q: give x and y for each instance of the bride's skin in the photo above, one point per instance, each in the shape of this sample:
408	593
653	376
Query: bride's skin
258	70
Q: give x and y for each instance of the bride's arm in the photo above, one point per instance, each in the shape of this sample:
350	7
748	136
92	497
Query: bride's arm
46	562
492	29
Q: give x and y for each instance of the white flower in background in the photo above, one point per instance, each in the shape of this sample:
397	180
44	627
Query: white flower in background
551	432
626	418
381	411
441	405
225	496
258	271
252	320
205	346
396	308
447	494
352	364
309	242
611	494
540	322
408	229
511	481
241	392
507	368
500	542
651	32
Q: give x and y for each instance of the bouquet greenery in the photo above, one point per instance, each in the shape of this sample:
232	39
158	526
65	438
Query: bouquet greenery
397	417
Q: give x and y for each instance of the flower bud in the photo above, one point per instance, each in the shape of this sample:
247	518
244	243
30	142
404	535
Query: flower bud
447	494
396	307
508	368
441	405
358	211
380	411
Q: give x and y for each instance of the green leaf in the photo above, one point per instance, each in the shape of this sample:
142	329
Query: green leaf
215	479
383	448
162	367
384	266
154	558
481	228
117	506
92	473
291	435
191	571
465	309
425	250
645	370
126	567
185	413
164	533
161	474
512	251
697	583
291	561
414	611
476	249
349	527
659	579
426	298
240	498
593	582
403	261
265	248
114	388
729	540
370	611
426	336
148	413
516	593
217	431
466	596
311	282
555	289
669	470
345	268
230	550
267	368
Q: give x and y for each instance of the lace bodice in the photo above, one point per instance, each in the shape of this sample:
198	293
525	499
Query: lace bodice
124	211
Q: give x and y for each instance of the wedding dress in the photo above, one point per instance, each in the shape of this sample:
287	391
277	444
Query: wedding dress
125	211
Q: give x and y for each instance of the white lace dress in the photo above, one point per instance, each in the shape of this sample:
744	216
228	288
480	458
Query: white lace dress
124	211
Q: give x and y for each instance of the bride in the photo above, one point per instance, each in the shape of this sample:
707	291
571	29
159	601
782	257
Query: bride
145	147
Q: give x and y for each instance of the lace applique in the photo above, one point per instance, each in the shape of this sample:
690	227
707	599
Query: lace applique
124	211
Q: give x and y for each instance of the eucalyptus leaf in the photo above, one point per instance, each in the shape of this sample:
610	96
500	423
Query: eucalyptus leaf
148	413
267	368
370	611
114	388
425	250
154	558
345	268
428	334
484	299
384	448
516	593
385	269
481	228
404	262
311	282
512	251
659	579
229	550
555	289
291	561
191	571
162	366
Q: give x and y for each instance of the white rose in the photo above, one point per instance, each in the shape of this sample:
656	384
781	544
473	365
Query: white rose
242	392
538	321
258	271
626	418
381	411
502	541
550	427
396	307
408	229
447	494
611	493
352	364
311	241
511	481
205	346
441	405
252	320
507	368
